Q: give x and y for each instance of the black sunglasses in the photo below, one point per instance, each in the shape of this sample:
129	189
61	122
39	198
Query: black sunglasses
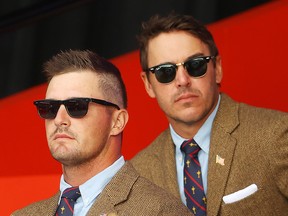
196	67
75	107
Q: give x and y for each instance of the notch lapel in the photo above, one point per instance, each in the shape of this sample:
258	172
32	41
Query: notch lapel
113	194
166	157
222	144
51	206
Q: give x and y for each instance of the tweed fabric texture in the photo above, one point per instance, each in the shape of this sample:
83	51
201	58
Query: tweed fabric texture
127	194
254	144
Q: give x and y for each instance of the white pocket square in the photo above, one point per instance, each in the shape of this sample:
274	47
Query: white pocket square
241	194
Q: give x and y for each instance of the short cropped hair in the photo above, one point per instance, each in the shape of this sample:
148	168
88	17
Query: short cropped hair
110	81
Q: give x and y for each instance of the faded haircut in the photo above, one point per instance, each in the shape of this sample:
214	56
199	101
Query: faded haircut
110	80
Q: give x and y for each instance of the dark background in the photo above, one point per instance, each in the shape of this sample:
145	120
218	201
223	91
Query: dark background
32	31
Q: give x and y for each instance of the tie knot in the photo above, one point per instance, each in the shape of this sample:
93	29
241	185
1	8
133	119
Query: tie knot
72	193
190	147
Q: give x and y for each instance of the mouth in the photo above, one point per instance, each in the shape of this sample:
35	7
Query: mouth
62	136
186	97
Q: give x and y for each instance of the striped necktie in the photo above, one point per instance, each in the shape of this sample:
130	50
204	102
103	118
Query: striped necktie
193	186
68	199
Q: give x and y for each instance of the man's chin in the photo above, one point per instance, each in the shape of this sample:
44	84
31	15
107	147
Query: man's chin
66	161
64	157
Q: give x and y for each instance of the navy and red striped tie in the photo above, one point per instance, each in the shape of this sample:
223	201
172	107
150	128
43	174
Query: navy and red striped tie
68	199
193	186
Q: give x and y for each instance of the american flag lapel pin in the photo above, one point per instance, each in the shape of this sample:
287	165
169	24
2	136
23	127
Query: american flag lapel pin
220	160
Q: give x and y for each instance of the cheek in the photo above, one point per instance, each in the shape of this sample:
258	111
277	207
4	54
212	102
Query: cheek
162	93
164	98
209	82
210	90
94	140
50	128
95	130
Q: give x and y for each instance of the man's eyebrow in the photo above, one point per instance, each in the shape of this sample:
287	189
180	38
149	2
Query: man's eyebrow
195	56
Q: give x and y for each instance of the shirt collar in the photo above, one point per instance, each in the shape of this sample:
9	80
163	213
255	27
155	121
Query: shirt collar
94	186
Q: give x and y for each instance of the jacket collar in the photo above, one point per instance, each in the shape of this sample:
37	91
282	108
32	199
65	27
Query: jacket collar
111	195
222	149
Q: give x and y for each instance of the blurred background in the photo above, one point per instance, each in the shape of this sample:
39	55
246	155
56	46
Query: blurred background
31	31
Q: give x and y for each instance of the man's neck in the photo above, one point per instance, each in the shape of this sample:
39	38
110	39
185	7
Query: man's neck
77	175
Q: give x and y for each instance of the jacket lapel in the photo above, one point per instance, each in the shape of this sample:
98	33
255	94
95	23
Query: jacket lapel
222	148
112	195
48	207
166	156
54	204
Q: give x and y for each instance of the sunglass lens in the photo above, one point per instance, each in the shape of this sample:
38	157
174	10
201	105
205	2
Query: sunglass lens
196	67
77	108
47	109
165	73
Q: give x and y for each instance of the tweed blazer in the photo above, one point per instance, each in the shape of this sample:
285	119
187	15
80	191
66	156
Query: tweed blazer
126	194
248	146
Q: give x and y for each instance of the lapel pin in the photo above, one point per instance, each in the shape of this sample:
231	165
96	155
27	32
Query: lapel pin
220	160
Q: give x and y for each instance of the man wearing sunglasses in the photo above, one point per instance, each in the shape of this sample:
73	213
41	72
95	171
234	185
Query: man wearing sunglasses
240	157
85	115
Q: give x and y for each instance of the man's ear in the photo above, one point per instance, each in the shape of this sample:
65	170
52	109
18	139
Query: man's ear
147	84
120	119
218	68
